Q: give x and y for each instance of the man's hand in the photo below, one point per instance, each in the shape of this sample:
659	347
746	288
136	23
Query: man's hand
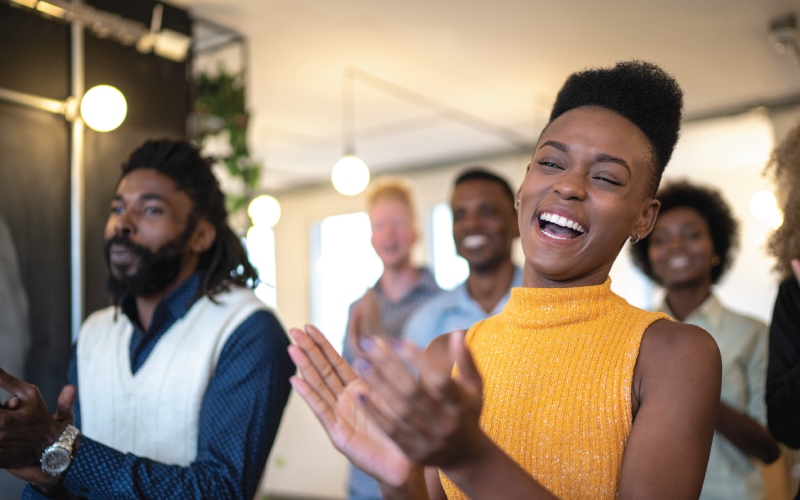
27	428
365	320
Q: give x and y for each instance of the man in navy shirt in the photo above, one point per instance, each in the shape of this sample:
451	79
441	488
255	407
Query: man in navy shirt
179	388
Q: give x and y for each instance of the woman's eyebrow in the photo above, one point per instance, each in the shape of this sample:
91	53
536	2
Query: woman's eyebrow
555	144
606	158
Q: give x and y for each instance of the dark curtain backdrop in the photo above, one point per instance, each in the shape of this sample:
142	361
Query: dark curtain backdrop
34	161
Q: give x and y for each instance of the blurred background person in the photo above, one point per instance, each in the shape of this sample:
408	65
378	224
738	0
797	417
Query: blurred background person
14	340
783	373
689	250
401	289
484	229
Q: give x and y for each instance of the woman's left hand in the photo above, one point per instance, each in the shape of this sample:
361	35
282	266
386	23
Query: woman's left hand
433	418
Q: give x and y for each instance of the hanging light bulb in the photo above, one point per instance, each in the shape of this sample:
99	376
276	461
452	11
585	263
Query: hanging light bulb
103	108
264	211
350	175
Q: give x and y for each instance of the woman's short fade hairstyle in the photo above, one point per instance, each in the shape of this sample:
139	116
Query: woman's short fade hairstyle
391	188
708	202
640	91
225	263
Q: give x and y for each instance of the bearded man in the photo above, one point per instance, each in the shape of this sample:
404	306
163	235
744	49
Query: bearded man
179	387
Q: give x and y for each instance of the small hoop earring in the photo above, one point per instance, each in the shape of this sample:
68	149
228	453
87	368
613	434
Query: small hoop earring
516	205
715	261
634	239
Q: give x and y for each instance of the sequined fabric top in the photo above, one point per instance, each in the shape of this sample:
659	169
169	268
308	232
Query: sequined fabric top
557	367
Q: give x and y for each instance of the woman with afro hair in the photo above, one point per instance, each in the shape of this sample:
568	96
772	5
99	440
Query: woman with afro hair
569	392
689	250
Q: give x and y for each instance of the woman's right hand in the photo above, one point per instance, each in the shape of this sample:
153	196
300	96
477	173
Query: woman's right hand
335	394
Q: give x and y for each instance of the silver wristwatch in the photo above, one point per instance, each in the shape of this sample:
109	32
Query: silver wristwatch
57	458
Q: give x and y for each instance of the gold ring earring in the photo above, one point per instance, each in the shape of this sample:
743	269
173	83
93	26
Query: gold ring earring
634	239
516	205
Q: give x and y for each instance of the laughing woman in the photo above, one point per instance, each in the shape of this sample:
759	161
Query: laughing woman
569	392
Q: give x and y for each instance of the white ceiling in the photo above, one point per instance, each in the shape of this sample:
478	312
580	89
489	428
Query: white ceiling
500	60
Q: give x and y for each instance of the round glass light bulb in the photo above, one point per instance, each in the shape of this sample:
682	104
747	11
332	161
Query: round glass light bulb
350	175
103	108
264	211
763	205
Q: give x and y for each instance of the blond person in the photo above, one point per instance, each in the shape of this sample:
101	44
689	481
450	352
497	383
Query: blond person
401	289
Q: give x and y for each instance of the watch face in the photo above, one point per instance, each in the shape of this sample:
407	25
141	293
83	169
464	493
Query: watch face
56	461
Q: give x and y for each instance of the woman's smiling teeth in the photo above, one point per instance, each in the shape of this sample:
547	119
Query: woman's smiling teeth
559	227
678	262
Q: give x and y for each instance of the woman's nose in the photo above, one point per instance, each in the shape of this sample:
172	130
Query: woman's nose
571	185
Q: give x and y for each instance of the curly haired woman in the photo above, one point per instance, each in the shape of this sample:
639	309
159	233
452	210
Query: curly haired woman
689	250
783	372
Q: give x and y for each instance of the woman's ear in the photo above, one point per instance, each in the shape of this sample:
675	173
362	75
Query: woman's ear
648	218
203	237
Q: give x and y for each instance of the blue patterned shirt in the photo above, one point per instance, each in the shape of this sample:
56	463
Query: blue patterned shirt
450	311
239	417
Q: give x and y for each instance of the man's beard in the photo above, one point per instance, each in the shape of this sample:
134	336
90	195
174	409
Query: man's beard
155	271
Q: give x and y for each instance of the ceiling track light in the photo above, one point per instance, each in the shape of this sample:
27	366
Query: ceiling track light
164	43
783	35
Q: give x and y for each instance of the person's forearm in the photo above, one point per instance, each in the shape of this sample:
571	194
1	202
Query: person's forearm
493	475
747	435
102	472
413	489
61	493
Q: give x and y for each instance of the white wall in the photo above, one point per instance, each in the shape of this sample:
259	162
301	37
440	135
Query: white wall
727	153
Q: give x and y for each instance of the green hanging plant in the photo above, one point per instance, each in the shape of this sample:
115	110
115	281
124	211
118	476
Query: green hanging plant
220	106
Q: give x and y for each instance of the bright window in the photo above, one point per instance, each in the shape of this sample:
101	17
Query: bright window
344	265
260	244
449	269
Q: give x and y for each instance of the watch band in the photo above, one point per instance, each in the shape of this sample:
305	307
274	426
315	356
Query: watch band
57	458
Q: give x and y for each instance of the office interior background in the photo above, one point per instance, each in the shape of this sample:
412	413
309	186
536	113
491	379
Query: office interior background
417	89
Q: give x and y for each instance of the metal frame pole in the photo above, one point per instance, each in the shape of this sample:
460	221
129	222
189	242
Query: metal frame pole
76	181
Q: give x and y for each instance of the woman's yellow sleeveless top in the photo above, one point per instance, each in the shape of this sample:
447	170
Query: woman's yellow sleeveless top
557	367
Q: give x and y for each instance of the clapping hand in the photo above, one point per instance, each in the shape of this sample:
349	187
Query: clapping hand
434	418
365	319
336	395
27	428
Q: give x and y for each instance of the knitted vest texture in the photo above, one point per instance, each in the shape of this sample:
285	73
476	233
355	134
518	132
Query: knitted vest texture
557	367
156	412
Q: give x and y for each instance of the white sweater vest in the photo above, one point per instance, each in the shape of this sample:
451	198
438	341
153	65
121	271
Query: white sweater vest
155	413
